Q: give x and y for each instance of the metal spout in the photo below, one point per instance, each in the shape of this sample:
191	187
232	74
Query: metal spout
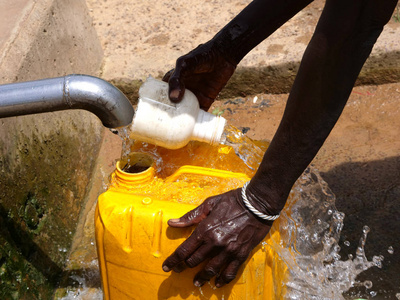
90	93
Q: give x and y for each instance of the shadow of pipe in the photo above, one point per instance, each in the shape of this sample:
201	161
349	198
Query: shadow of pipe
22	244
14	236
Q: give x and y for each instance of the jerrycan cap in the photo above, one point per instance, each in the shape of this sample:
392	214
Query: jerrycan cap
136	168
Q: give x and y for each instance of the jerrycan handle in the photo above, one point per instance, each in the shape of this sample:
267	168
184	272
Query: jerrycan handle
194	170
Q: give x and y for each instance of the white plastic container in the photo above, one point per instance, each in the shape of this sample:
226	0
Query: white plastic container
172	125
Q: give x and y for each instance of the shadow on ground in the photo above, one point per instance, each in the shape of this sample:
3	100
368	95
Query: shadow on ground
369	194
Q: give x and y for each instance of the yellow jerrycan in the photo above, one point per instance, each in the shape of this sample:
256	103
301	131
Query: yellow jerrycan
133	237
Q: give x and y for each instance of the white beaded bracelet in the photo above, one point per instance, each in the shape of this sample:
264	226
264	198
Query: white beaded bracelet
252	208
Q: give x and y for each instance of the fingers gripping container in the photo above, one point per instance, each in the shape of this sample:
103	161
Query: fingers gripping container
171	125
133	237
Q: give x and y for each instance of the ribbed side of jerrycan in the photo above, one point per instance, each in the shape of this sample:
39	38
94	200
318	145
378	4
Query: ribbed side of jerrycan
133	238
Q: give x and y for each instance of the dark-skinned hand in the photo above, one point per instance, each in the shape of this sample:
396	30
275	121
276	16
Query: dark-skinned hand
226	233
204	71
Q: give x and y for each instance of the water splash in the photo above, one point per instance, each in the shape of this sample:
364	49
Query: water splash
247	149
85	288
310	228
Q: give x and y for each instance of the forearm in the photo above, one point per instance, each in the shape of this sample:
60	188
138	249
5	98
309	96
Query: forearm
328	71
254	24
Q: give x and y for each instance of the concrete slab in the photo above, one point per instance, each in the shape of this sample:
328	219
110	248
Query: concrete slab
47	38
11	18
46	161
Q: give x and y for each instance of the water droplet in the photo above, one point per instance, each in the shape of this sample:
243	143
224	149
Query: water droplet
391	250
368	284
377	261
212	286
347	243
366	229
201	291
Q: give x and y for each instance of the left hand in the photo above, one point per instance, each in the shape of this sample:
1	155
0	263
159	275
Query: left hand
205	71
226	234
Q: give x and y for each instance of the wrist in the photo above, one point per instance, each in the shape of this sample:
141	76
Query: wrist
265	199
212	53
256	212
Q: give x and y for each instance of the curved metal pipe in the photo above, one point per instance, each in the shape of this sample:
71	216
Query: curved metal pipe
90	93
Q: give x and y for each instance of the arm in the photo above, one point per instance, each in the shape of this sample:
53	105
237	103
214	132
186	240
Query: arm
226	230
206	69
254	24
342	42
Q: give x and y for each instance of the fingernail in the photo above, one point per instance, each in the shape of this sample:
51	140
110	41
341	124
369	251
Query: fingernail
166	269
173	220
174	95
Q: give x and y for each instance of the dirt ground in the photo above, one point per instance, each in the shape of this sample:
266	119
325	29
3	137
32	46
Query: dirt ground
361	163
360	160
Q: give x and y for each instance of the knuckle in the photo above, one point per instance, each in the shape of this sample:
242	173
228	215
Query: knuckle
217	237
182	62
218	243
241	257
182	252
240	253
210	271
228	277
232	249
193	261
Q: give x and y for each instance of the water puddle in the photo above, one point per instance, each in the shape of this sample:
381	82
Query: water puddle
84	289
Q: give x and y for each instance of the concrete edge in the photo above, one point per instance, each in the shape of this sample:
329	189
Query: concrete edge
278	79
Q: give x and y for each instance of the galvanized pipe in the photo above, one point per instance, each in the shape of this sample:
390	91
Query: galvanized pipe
90	93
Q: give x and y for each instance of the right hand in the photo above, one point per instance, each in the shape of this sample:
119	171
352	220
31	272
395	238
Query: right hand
204	71
225	235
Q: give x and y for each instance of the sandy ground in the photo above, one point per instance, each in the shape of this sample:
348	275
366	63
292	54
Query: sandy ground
361	158
142	38
145	37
